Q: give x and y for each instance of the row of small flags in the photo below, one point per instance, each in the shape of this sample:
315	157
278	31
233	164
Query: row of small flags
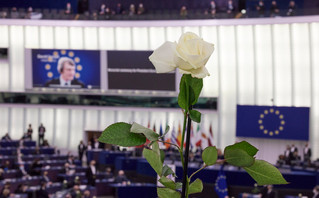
198	138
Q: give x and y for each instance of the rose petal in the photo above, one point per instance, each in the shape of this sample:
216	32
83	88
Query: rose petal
164	57
196	73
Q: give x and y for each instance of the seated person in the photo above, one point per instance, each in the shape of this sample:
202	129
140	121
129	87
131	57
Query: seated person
7	187
7	166
66	68
121	178
86	194
67	169
25	137
34	171
108	173
75	192
70	160
6	137
46	178
22	172
1	174
42	192
45	143
22	188
281	160
5	193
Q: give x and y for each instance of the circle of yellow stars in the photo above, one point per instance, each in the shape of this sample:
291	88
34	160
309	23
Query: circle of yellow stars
79	67
261	121
216	184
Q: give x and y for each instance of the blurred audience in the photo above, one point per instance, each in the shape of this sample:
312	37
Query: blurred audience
315	192
102	9
230	9
6	137
108	173
291	8
68	9
140	9
132	10
261	8
121	178
212	9
274	10
183	12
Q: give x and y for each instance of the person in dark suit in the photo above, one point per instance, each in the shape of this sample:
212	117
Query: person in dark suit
307	153
108	173
42	192
91	173
268	192
41	134
30	131
66	68
81	150
121	178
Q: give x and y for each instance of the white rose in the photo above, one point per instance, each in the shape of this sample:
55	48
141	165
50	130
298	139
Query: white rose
190	55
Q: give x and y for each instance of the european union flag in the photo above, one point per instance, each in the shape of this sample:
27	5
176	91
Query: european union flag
273	122
220	184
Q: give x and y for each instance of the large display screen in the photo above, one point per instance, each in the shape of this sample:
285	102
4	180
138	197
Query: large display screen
53	68
132	70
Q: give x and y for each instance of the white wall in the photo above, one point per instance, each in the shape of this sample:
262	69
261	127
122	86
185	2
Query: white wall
255	60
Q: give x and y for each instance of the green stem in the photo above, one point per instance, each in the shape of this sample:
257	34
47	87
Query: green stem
197	172
181	153
183	133
187	187
169	143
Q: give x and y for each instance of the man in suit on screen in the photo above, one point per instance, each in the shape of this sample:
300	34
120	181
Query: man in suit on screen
66	68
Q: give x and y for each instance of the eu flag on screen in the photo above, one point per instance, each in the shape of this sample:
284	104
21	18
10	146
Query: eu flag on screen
221	185
273	122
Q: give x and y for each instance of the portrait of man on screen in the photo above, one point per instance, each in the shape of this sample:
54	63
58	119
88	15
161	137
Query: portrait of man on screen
66	69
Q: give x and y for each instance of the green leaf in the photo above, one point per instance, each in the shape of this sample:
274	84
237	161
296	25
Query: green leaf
149	134
210	155
196	84
167	193
189	91
183	96
119	134
167	171
168	183
154	160
195	115
179	185
167	129
265	174
162	155
155	148
238	157
195	187
250	149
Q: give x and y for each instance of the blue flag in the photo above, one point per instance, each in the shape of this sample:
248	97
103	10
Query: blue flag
273	122
220	184
161	132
